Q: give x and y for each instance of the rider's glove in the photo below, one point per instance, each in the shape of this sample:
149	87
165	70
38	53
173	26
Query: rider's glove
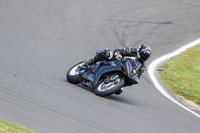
118	56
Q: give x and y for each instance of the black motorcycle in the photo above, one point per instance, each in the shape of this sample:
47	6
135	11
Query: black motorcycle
105	77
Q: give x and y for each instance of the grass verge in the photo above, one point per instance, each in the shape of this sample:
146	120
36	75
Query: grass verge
6	127
181	74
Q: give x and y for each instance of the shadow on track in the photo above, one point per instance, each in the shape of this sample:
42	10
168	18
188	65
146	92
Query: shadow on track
113	97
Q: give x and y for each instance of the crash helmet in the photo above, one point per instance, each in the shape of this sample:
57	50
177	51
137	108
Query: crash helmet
143	52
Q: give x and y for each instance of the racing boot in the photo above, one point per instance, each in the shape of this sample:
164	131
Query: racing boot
100	56
89	62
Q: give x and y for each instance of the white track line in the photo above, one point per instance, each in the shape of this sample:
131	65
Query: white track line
152	71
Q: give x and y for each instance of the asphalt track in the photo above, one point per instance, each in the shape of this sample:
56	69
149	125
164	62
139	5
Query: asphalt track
41	39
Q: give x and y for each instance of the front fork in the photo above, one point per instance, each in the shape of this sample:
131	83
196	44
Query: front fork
111	79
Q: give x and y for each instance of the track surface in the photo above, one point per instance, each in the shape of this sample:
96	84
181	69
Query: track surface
41	40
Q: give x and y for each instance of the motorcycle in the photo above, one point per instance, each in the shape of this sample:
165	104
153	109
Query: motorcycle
105	77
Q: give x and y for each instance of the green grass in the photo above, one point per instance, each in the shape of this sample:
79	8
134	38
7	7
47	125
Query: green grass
6	127
181	74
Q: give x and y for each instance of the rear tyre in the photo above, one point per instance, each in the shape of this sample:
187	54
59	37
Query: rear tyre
105	89
73	75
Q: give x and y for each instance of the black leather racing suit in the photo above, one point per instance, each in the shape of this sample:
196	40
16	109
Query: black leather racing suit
107	55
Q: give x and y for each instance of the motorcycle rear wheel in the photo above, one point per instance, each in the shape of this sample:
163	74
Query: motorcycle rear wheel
73	75
105	89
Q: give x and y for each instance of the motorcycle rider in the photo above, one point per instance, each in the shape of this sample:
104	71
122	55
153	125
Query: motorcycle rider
141	54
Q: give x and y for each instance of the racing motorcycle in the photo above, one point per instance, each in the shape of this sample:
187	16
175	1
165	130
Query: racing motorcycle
105	77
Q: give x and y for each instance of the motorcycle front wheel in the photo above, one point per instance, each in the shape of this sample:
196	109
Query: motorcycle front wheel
105	89
73	74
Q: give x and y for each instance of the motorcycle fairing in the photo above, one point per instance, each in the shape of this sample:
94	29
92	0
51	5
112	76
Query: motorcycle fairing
100	69
126	67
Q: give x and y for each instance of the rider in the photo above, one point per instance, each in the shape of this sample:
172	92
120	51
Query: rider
141	54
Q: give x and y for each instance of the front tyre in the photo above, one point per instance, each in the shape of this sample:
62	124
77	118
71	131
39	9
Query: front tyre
73	74
105	89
